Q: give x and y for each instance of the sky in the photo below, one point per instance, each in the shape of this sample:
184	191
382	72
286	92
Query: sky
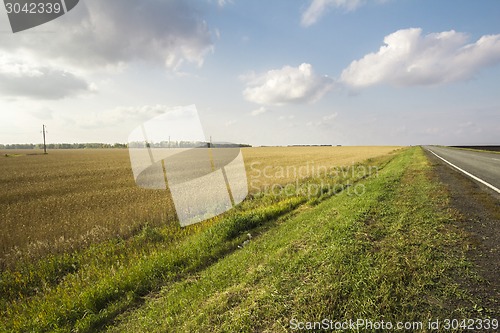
280	72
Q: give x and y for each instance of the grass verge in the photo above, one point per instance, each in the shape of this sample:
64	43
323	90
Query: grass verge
388	254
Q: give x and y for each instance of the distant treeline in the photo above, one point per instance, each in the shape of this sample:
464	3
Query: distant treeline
185	144
62	145
172	144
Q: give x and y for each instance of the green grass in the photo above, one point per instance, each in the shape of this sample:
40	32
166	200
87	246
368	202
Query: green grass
387	254
384	254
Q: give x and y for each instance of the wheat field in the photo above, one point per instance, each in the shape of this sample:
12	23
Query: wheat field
70	199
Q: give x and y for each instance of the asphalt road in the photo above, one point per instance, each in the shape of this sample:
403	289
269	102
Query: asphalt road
483	165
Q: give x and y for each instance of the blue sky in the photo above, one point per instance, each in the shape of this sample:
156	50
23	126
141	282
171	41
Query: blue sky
351	72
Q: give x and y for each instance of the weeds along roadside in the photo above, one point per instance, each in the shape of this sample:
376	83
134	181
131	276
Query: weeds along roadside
98	283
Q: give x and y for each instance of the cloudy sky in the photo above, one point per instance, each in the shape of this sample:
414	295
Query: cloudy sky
351	72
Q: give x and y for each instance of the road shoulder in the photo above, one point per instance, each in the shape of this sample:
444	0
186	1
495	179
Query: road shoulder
478	214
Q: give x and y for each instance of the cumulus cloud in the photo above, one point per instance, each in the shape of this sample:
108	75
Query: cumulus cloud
318	8
230	123
409	58
107	33
258	111
43	114
123	115
324	121
19	79
223	3
287	85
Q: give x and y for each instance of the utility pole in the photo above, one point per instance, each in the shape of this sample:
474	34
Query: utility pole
44	144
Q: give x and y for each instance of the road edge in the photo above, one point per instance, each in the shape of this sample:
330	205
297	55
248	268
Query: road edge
477	214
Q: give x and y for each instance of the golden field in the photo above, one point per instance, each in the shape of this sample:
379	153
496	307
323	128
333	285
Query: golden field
70	199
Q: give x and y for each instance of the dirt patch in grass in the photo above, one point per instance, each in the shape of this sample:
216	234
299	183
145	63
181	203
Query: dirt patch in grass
478	214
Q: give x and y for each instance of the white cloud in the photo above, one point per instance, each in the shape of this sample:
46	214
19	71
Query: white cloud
330	117
111	33
223	3
43	114
287	85
19	79
258	111
324	121
317	8
122	115
410	59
